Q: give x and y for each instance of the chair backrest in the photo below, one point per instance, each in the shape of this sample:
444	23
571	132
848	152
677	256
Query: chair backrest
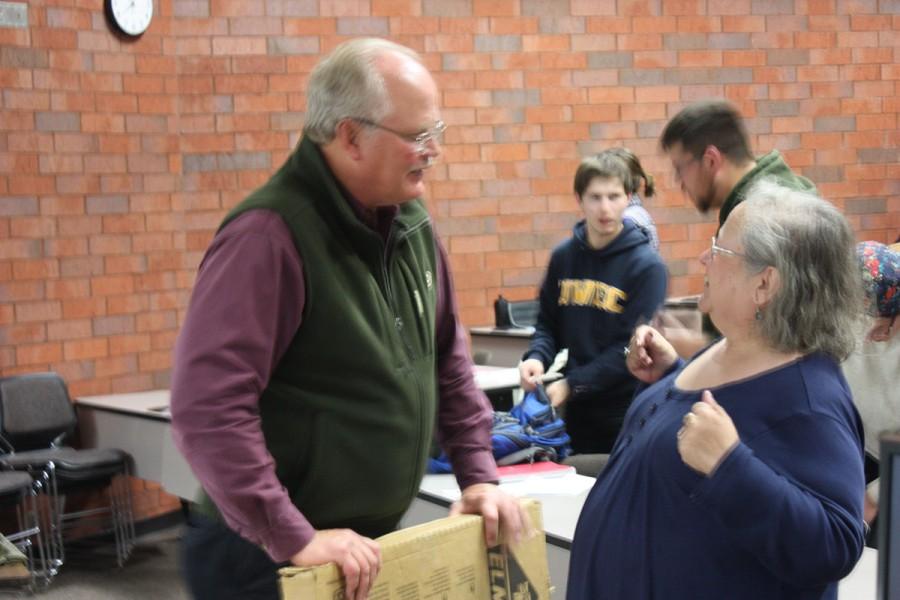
682	312
522	313
35	410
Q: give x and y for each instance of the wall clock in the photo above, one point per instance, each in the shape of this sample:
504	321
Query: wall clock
129	18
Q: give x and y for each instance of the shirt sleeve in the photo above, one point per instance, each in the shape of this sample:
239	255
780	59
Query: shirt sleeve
464	413
802	517
543	345
245	308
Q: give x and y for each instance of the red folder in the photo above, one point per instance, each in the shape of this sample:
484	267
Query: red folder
538	469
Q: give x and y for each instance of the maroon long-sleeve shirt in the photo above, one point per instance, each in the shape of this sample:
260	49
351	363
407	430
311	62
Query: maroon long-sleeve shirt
246	306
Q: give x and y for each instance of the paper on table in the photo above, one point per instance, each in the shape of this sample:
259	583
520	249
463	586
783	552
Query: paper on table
452	494
568	485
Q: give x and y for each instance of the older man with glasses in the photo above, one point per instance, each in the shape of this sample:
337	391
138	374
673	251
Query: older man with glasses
322	344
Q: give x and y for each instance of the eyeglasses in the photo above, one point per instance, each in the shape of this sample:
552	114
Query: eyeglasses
420	140
715	249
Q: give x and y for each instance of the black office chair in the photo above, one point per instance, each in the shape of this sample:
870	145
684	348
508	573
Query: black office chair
20	492
509	314
36	415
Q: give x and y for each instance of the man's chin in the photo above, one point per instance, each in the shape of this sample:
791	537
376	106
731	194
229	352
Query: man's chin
704	205
413	191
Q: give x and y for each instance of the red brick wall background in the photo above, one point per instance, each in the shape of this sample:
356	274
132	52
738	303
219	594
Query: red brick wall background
117	160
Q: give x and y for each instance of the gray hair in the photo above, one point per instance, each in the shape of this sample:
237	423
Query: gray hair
346	83
810	243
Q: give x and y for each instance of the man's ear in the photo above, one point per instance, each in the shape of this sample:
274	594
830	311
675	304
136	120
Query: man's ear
577	198
347	135
767	287
712	158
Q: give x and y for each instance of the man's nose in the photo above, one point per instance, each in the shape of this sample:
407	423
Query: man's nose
431	148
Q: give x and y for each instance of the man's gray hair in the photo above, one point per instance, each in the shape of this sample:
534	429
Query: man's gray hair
346	83
810	243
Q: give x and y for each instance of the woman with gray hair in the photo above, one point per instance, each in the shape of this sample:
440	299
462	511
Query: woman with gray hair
739	473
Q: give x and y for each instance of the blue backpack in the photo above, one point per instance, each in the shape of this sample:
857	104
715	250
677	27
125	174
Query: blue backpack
532	431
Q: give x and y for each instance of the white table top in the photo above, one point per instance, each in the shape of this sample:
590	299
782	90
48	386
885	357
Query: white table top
862	582
561	498
153	404
489	378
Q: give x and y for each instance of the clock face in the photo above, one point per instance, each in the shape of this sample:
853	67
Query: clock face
132	17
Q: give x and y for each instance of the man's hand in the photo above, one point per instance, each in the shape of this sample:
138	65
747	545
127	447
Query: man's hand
358	557
558	392
870	508
686	341
707	435
499	509
649	354
883	329
530	373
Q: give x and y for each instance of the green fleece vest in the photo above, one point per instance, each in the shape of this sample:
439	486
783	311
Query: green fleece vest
349	411
768	166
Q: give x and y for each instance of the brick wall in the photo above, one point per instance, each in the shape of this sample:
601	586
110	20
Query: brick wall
117	160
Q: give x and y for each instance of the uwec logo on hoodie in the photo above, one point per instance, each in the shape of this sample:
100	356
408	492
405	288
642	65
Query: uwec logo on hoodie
587	292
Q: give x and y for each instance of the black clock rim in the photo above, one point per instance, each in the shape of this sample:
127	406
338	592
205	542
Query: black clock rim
116	29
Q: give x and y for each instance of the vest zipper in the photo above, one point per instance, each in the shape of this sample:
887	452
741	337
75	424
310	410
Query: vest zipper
389	291
398	324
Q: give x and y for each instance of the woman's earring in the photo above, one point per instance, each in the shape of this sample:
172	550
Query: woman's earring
758	315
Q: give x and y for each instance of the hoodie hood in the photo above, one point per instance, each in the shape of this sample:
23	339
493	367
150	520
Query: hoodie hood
630	237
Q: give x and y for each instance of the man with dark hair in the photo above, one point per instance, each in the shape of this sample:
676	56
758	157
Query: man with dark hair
714	164
710	153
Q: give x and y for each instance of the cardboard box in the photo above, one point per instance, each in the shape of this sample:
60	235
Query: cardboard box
446	559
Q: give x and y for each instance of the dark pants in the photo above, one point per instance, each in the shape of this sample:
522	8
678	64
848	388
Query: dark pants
218	564
594	424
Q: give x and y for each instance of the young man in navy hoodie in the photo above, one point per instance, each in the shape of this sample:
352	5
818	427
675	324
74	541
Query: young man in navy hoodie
599	286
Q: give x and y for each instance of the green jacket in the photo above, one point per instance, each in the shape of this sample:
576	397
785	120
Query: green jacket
349	411
771	166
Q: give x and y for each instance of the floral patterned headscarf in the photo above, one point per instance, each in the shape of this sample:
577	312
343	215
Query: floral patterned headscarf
881	277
